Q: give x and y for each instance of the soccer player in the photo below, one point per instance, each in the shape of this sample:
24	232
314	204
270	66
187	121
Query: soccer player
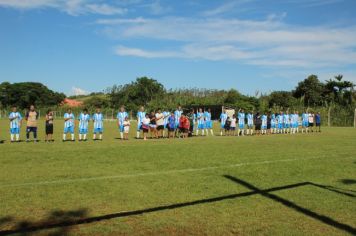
273	124
305	124
68	124
249	123
177	115
49	126
318	121
140	115
241	118
280	122
171	125
201	122
166	115
98	119
264	124
223	118
208	122
145	125
184	125
286	125
31	118
15	124
233	125
126	125
121	116
311	121
160	123
84	118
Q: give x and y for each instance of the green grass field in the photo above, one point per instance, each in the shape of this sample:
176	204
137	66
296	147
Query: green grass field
265	185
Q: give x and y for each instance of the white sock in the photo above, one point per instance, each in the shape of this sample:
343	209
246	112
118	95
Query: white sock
197	132
80	137
17	137
64	136
164	133
202	132
121	135
72	136
85	137
138	134
220	133
12	137
100	136
251	131
212	133
247	131
94	136
238	132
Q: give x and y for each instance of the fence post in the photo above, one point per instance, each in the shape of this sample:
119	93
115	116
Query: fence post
329	118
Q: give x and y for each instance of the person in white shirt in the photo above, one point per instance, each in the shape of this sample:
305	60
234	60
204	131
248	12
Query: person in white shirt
145	126
233	125
311	121
160	123
126	125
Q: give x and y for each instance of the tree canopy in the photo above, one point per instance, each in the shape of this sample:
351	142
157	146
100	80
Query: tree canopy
27	93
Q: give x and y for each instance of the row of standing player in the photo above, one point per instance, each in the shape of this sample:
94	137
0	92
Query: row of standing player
158	122
268	123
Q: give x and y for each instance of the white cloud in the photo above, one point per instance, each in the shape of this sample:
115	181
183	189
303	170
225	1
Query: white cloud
226	7
266	43
78	91
105	9
72	7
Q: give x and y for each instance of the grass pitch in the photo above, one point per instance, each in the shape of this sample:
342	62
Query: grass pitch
267	185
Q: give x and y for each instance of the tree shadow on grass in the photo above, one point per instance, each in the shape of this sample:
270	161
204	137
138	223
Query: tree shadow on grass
348	181
62	221
59	221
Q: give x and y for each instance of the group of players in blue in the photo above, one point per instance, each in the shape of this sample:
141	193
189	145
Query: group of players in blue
271	123
157	122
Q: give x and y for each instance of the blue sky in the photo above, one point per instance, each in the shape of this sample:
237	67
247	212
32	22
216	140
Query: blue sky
79	46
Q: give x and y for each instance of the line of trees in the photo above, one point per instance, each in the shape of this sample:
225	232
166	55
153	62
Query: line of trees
335	93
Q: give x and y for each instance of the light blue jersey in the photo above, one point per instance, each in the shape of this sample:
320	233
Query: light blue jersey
208	121
273	121
121	118
15	120
98	119
83	123
177	115
305	117
264	122
286	120
249	120
223	118
69	124
241	118
201	120
166	115
140	116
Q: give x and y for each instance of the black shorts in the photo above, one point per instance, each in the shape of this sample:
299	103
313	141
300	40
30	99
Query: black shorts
183	130
317	124
171	129
160	127
31	129
311	124
258	127
49	129
268	126
144	130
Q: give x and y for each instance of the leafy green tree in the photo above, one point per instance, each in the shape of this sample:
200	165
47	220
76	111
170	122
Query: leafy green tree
310	90
283	99
339	91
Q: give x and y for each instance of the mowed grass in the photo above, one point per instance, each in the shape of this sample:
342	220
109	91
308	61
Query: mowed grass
180	187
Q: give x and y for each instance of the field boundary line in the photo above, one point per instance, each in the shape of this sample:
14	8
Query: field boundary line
65	181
